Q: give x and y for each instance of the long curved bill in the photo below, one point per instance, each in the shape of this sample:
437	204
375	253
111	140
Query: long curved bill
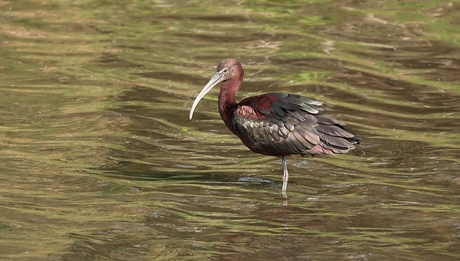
217	78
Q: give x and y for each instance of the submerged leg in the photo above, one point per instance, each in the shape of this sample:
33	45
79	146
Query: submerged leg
285	175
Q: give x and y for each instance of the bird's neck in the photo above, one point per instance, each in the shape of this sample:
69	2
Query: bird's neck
227	100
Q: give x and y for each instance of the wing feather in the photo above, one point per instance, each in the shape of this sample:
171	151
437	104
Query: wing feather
282	124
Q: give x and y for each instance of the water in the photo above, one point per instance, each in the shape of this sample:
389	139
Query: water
100	161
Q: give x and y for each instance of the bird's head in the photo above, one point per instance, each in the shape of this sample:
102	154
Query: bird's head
228	69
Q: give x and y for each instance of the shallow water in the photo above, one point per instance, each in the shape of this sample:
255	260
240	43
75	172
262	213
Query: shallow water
100	161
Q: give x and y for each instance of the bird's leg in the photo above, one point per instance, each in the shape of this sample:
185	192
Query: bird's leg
285	175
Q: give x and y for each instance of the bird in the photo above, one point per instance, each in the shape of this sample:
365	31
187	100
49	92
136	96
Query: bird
276	124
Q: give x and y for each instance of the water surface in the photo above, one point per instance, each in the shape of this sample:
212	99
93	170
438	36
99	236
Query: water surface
100	161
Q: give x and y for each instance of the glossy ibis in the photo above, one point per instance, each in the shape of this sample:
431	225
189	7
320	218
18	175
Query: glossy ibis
276	124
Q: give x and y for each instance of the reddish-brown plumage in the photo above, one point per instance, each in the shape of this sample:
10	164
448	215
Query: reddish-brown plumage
277	124
261	104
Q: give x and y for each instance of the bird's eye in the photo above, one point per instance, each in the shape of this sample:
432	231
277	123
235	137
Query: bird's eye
225	70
